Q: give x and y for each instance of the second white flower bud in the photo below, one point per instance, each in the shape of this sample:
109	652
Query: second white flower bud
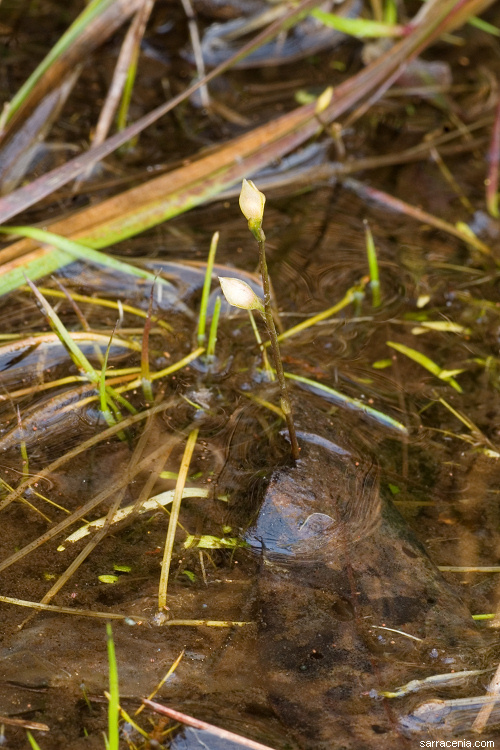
239	294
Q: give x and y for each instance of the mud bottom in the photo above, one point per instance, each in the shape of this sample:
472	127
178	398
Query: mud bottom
350	604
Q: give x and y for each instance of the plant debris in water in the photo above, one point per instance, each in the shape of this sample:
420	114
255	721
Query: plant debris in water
309	606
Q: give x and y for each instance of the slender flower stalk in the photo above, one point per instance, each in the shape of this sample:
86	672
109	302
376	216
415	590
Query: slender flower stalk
252	203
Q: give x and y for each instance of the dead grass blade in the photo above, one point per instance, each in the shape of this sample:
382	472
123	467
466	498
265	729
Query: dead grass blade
65	610
157	462
95	440
396	204
174	517
94	25
178	191
126	66
494	164
114	487
19	150
44	186
25	723
203	725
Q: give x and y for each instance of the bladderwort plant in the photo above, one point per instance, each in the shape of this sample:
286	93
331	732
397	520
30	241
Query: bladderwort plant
239	294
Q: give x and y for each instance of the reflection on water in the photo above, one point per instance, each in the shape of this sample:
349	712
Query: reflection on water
191	738
450	717
339	568
344	602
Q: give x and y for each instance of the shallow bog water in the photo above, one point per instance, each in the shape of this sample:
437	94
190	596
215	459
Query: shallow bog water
330	566
337	596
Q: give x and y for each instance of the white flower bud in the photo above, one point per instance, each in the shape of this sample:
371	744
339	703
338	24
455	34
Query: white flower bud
252	204
239	294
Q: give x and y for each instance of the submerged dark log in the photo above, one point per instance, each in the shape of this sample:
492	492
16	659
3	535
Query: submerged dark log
350	603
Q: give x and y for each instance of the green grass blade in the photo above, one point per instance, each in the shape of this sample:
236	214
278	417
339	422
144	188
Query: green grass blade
102	383
390	12
351	403
202	320
35	269
82	252
174	517
350	296
265	360
212	336
371	253
56	324
489	28
93	10
106	393
34	744
115	396
104	398
121	120
114	699
426	363
358	27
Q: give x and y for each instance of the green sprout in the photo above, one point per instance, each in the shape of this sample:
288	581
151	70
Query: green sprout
113	738
212	336
371	252
202	319
33	743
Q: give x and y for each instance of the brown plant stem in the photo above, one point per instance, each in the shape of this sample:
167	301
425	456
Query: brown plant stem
273	338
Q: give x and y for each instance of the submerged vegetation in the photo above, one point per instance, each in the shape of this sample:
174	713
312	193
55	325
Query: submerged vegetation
142	417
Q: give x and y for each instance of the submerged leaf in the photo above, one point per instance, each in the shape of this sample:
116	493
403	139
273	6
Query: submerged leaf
427	363
208	541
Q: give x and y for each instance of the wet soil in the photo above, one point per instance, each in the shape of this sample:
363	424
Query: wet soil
337	581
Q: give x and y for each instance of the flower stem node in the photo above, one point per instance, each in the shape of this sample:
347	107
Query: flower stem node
252	203
239	294
285	406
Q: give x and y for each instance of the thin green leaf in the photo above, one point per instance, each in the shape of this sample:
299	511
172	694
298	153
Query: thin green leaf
212	336
479	23
107	414
114	699
358	27
446	326
426	363
350	296
115	396
351	403
371	252
34	744
56	324
93	10
202	320
381	364
390	12
82	252
208	541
